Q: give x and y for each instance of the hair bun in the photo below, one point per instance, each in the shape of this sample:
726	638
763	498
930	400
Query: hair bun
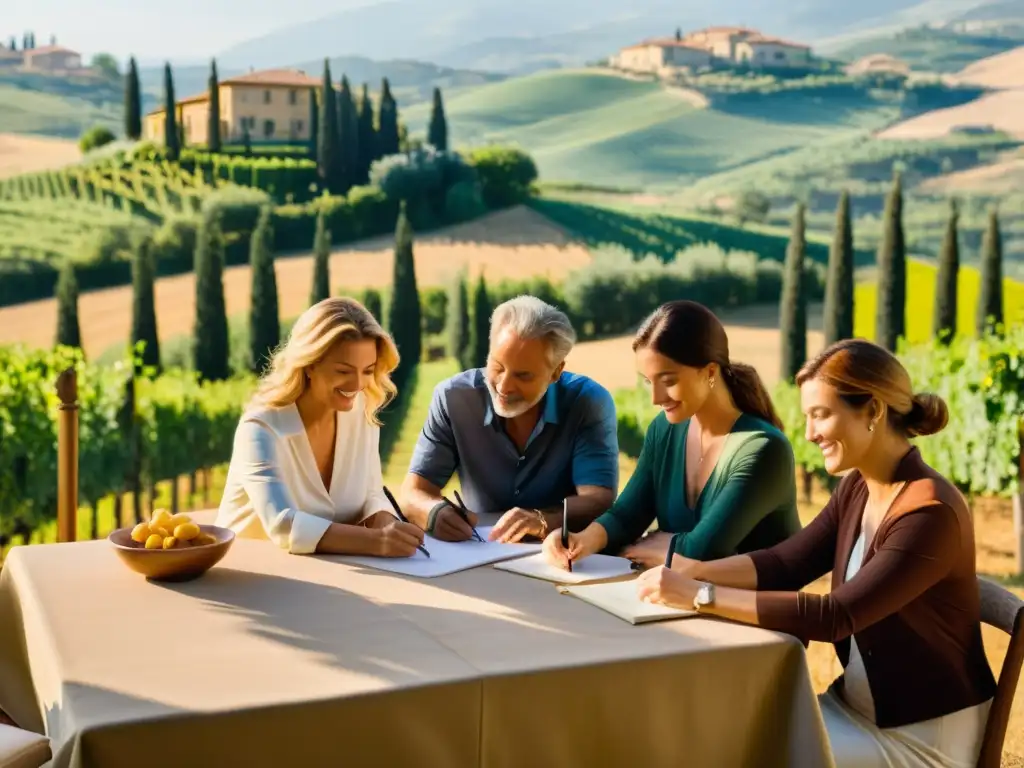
928	415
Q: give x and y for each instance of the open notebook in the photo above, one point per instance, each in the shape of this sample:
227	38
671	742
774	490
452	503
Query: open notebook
593	568
445	556
620	599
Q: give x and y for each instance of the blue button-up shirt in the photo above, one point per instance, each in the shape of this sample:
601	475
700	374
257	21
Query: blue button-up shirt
575	443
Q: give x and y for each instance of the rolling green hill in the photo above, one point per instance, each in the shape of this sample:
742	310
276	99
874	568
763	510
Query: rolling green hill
52	113
591	127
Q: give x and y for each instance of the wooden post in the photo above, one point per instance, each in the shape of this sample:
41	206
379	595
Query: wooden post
67	456
1018	505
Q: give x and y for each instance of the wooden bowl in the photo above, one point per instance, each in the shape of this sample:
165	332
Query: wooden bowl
176	564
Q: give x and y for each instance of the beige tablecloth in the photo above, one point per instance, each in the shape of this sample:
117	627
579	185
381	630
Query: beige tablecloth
274	659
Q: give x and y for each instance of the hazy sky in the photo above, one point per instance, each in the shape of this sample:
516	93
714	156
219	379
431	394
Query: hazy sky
154	30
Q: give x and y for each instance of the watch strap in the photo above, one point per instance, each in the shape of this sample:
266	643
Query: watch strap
434	512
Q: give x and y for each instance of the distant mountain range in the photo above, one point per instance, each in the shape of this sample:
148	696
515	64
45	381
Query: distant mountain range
528	35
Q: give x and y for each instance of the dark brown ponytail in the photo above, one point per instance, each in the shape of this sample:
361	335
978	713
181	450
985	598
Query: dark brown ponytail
750	394
690	334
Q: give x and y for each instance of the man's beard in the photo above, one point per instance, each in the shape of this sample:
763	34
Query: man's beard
510	411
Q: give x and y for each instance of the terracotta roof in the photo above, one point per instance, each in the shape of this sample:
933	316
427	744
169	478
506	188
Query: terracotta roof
49	49
726	31
293	78
766	40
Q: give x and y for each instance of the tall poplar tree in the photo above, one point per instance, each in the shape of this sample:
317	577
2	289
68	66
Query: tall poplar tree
838	310
213	137
480	329
793	304
947	279
172	139
321	288
891	316
990	299
387	122
348	138
437	130
458	318
68	330
327	156
367	137
404	313
144	328
211	347
132	102
264	316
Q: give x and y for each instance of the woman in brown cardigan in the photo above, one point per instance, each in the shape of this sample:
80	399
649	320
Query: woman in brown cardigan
903	611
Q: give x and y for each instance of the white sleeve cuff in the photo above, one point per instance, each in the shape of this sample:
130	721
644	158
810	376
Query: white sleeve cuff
306	532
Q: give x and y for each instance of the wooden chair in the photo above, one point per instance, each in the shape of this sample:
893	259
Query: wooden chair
1002	609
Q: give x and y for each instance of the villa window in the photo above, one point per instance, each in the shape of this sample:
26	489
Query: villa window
266	97
268	129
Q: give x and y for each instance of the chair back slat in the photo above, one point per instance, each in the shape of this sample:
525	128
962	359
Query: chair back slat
1003	610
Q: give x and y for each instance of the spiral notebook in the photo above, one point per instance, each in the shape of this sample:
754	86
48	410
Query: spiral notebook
619	598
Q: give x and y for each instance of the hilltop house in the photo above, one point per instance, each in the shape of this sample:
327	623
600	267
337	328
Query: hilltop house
9	58
51	59
273	104
713	46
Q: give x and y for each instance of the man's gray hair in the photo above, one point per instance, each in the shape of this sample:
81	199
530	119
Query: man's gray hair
531	318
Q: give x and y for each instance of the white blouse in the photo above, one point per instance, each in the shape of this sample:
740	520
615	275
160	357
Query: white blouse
274	490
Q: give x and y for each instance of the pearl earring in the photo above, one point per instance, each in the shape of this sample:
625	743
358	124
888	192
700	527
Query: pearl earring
871	427
711	383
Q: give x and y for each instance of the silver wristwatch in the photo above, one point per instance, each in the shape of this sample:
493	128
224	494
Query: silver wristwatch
705	596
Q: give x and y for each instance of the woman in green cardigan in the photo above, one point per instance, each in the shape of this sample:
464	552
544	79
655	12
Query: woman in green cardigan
715	472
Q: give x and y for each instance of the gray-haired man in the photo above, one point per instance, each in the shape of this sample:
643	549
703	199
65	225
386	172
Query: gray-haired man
522	434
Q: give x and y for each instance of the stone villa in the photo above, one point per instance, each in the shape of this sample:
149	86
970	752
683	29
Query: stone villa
710	47
273	105
49	59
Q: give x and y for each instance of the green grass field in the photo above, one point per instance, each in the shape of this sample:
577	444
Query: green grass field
586	126
921	303
25	111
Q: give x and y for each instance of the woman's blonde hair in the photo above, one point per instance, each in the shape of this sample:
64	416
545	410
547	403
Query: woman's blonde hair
314	333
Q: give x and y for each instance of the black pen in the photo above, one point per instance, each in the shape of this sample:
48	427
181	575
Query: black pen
463	513
671	552
403	518
565	530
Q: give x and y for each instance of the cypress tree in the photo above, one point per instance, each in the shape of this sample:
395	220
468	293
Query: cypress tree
480	330
839	283
171	136
210	333
990	298
890	320
404	315
348	138
144	305
314	123
387	122
68	331
132	103
437	131
373	303
793	305
321	261
327	156
182	138
944	319
458	319
213	137
367	137
264	317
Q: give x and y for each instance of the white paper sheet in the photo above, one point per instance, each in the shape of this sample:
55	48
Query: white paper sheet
620	599
590	568
446	556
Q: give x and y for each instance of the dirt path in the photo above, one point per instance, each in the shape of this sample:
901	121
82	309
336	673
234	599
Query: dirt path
753	339
512	244
28	154
1002	110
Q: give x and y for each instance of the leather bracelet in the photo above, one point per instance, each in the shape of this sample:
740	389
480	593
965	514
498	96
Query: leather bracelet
434	512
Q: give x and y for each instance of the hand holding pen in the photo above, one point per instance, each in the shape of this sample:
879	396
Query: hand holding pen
405	520
463	512
565	532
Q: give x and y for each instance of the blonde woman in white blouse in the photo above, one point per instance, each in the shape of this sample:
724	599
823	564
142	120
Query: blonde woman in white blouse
305	468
